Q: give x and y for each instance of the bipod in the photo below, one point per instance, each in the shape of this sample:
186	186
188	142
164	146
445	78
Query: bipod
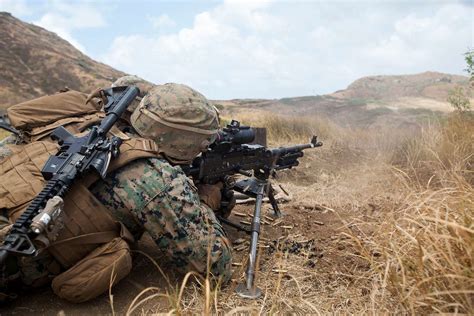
257	189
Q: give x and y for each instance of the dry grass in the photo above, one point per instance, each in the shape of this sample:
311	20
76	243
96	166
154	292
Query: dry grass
425	251
442	155
289	129
426	244
403	208
398	209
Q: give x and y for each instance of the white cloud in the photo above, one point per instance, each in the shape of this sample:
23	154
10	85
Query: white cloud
208	55
419	43
63	18
162	21
265	49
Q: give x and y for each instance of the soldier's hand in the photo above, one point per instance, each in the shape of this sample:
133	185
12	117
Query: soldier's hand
211	195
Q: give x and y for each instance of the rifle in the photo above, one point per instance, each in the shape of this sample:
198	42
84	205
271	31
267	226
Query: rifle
76	157
233	154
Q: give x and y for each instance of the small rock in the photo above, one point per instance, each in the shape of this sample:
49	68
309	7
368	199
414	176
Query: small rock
310	263
239	241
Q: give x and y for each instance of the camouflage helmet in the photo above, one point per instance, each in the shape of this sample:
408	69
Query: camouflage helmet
142	84
179	119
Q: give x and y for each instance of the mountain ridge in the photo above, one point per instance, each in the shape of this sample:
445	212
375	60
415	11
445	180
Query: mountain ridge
35	61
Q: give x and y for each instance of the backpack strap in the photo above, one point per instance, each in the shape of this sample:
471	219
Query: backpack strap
97	238
88	239
130	150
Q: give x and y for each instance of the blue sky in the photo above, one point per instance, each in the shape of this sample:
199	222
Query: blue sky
261	48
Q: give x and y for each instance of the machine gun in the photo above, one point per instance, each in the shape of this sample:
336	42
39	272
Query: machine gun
232	154
76	157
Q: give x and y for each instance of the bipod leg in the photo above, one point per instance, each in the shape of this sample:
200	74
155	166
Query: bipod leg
273	201
248	289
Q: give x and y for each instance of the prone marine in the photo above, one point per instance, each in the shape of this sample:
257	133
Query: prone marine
145	190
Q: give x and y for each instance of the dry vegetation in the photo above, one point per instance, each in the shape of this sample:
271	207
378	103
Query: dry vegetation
398	210
382	222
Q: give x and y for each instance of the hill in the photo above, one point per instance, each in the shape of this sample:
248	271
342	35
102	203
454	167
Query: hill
375	100
429	85
378	220
34	62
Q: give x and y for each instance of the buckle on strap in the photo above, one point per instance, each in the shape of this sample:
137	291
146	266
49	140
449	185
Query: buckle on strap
149	145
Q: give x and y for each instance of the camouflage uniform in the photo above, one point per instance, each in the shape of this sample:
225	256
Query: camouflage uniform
153	194
156	196
182	122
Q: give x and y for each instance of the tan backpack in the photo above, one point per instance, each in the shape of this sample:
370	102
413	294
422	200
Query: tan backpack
90	237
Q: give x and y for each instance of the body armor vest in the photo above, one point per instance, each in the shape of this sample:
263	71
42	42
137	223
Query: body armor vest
87	223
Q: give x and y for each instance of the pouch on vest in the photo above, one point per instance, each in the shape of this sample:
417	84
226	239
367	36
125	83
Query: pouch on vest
20	176
87	224
94	274
21	181
84	215
49	109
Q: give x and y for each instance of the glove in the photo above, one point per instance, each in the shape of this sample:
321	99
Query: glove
210	194
228	202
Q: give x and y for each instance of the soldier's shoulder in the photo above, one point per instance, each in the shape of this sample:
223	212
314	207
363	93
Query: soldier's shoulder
148	167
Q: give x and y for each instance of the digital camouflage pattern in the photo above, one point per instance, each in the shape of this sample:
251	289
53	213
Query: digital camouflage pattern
143	85
179	119
153	194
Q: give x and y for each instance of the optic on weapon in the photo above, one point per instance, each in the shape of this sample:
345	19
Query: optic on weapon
233	134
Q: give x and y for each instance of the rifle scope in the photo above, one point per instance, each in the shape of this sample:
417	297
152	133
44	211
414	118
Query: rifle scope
236	134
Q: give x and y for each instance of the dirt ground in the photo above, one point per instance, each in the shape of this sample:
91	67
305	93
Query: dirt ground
312	235
346	243
307	263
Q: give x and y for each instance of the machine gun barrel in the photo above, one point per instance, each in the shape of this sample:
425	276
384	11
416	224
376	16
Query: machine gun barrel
295	149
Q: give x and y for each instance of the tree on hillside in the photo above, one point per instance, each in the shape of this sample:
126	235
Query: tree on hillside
469	57
459	98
